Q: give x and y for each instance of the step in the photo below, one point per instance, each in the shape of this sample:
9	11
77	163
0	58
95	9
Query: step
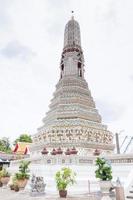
129	197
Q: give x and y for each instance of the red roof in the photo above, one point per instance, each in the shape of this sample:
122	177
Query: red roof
21	148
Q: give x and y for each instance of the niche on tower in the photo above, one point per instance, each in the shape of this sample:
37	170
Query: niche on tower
79	69
62	70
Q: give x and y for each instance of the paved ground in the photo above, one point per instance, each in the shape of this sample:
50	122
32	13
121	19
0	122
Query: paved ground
7	194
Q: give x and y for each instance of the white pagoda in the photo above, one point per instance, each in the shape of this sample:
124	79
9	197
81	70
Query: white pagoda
72	122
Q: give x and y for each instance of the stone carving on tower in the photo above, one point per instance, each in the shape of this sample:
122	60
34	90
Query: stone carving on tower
73	120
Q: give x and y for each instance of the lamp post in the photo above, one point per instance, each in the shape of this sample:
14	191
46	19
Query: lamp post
117	141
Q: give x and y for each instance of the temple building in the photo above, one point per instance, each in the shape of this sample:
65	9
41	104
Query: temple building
21	148
72	123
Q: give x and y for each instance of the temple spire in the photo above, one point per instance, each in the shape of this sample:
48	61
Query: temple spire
72	59
72	33
72	14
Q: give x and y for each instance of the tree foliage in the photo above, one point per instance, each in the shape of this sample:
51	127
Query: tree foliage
5	145
23	138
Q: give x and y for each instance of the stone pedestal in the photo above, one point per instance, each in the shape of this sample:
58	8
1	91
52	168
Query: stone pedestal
106	197
37	186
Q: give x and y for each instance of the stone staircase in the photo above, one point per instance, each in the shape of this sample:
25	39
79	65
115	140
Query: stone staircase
130	193
129	186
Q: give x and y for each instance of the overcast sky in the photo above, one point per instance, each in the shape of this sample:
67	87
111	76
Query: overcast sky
31	42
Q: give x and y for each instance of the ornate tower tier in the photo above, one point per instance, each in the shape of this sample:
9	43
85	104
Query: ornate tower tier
73	120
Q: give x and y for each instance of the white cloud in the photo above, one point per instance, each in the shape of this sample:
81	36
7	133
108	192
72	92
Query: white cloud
38	27
15	50
110	111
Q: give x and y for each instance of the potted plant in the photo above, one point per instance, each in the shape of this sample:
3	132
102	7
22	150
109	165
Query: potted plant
53	152
23	175
96	152
59	151
15	184
44	151
4	176
74	151
12	182
1	184
104	173
68	152
11	186
64	178
15	187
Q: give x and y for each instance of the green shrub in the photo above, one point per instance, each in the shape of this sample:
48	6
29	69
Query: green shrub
104	170
4	173
23	171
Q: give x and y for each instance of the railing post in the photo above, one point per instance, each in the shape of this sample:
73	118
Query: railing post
89	186
119	190
119	193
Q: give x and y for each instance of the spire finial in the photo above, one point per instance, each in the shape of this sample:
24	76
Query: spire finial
72	14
